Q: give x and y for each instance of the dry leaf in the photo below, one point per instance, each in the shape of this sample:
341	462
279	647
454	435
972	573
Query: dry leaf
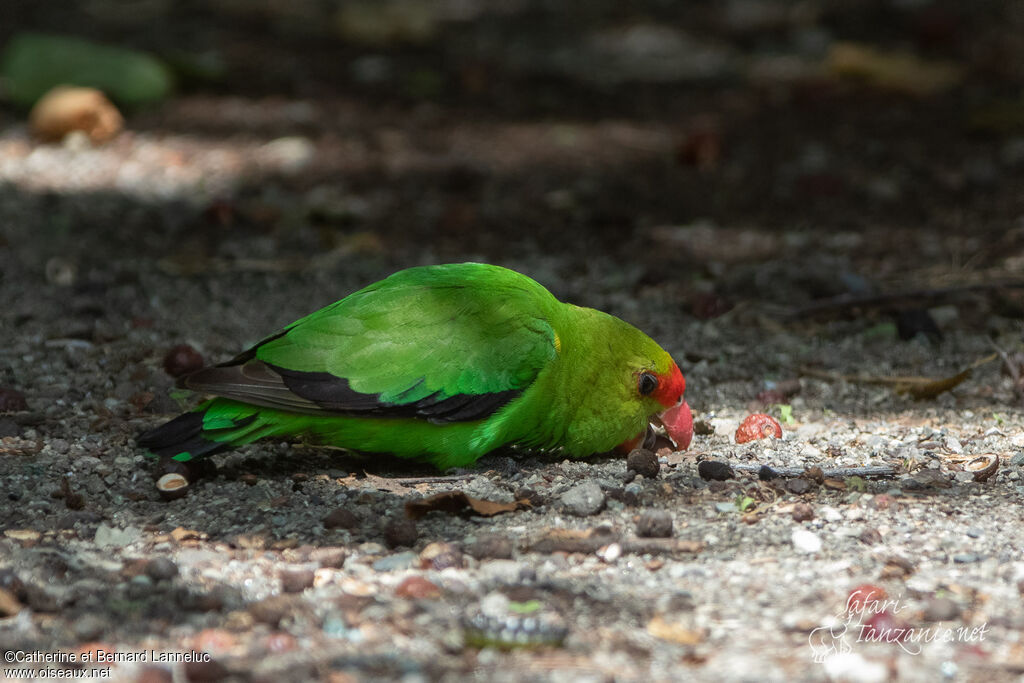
900	71
674	632
918	387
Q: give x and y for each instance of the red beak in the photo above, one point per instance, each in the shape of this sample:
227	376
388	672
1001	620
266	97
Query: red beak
678	423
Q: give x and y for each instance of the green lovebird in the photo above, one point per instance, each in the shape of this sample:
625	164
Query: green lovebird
442	364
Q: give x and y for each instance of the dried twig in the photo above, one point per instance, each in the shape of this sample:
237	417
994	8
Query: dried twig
918	387
570	541
829	473
448	479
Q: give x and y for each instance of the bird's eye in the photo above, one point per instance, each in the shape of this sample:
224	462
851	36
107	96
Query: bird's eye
647	383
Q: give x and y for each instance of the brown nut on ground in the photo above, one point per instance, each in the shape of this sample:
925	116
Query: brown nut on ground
983	466
172	486
65	109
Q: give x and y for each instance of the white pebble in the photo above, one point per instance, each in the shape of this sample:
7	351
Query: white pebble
850	667
805	541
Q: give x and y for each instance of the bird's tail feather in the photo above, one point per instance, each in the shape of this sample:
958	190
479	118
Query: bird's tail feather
203	431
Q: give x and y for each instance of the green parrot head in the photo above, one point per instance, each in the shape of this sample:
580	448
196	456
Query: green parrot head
621	381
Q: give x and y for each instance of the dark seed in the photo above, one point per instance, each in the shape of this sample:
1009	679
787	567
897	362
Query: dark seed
643	462
714	470
11	400
341	518
400	531
181	360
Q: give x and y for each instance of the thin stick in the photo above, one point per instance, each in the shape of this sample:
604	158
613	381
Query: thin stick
412	481
831	472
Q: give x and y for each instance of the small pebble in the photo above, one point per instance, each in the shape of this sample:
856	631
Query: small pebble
296	580
870	537
490	546
631	492
272	610
654	524
830	514
9	427
965	558
941	609
397	562
333	558
853	667
584	500
438	556
9	603
805	541
154	674
89	627
417	588
400	531
341	518
802	512
204	672
161	569
798	486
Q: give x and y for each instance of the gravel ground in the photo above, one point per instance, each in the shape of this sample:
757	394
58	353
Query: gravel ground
215	219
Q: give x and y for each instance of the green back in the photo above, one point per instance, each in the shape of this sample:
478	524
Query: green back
455	329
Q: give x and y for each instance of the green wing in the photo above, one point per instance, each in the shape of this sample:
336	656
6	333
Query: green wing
445	343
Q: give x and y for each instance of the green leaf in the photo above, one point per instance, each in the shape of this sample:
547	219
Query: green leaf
525	607
856	483
182	397
785	413
744	503
35	63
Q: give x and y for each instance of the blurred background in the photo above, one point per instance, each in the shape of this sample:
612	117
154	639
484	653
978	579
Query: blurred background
662	156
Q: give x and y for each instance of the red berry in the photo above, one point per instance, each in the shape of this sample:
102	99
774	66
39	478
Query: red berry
758	426
884	627
862	598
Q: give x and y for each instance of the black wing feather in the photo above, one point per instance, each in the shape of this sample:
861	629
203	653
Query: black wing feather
320	393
